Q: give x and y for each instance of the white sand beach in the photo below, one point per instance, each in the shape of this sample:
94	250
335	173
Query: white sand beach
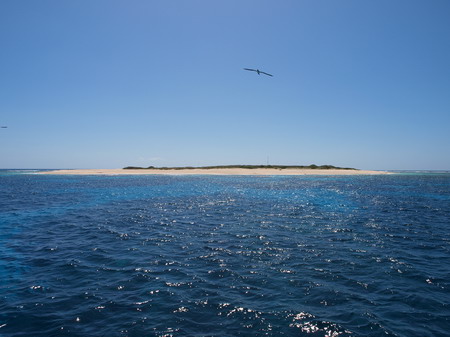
218	171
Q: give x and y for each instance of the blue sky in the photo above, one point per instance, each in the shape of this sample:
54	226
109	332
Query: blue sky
106	84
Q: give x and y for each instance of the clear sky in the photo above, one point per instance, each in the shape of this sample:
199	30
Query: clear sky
106	84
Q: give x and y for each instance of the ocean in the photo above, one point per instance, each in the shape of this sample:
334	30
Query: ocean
224	255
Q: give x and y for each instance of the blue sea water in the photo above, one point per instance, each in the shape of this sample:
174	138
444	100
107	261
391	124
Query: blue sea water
224	255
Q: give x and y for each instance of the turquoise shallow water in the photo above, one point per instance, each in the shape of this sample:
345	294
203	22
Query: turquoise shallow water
224	256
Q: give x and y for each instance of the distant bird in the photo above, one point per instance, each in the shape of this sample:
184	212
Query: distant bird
258	71
4	127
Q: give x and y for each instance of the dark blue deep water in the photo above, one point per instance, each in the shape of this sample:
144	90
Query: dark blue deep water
224	256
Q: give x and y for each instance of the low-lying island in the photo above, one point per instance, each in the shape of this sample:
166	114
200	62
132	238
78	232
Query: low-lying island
223	170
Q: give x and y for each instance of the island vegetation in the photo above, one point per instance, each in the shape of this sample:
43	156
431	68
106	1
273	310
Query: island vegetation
280	167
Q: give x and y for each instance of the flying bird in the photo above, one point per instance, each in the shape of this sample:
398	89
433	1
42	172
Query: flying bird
258	71
4	127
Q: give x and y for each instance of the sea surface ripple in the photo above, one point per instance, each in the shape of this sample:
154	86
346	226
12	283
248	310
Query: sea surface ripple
225	256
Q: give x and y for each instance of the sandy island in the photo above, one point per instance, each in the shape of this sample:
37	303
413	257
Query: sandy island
219	171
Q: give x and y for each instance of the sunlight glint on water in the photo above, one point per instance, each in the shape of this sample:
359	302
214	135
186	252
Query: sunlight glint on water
224	256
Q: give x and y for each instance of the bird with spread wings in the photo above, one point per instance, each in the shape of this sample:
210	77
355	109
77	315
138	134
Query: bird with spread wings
258	71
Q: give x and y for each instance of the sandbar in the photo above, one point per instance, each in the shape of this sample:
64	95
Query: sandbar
218	171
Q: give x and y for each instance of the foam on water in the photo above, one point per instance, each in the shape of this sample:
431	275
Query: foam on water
224	256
